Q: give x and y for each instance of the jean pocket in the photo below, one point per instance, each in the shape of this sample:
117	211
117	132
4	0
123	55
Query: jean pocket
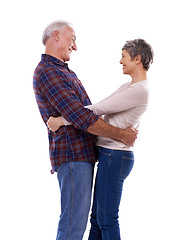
126	166
105	151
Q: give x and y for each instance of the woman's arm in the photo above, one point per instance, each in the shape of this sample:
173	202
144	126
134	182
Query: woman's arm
54	123
130	97
117	102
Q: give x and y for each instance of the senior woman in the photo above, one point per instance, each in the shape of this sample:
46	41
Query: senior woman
123	109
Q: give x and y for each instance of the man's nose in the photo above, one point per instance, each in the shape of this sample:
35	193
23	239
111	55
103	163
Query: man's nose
74	47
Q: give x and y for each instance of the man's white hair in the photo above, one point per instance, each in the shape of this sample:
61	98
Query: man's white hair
56	25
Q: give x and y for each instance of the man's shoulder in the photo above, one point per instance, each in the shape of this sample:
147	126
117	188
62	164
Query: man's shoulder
46	70
44	66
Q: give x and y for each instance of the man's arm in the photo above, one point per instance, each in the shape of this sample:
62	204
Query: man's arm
61	94
101	128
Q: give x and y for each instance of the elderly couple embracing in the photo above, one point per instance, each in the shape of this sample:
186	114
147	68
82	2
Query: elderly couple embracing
81	133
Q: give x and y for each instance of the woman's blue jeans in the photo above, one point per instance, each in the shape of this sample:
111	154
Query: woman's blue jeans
75	181
114	166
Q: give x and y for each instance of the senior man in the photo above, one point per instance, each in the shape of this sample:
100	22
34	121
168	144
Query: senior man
58	91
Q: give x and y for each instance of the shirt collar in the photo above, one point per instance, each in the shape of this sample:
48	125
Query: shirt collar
46	57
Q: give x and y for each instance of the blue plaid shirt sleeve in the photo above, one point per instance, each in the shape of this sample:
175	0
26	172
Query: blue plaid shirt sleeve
66	94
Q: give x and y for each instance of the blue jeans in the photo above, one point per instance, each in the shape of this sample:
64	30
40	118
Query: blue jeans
114	166
75	181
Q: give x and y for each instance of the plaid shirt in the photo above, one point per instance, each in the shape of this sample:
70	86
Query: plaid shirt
58	91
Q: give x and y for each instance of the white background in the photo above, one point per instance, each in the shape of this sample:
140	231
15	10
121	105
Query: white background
156	196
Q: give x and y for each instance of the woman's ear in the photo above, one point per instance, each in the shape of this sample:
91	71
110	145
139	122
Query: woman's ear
138	59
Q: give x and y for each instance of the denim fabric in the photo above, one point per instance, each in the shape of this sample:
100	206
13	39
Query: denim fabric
75	181
114	166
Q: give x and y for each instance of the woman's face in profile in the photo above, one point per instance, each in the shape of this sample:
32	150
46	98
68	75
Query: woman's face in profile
127	63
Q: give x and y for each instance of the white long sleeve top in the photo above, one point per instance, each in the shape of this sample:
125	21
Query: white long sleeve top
122	109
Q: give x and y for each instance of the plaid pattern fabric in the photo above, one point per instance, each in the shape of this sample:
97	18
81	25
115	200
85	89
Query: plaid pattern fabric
58	91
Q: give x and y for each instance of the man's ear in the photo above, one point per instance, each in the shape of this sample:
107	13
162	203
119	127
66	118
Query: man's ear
138	59
55	35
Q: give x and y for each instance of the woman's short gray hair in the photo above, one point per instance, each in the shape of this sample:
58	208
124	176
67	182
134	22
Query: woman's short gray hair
56	25
142	48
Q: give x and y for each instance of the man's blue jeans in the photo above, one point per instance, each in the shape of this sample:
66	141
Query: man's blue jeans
75	181
114	166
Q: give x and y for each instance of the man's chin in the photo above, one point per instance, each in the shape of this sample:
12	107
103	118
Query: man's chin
66	59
